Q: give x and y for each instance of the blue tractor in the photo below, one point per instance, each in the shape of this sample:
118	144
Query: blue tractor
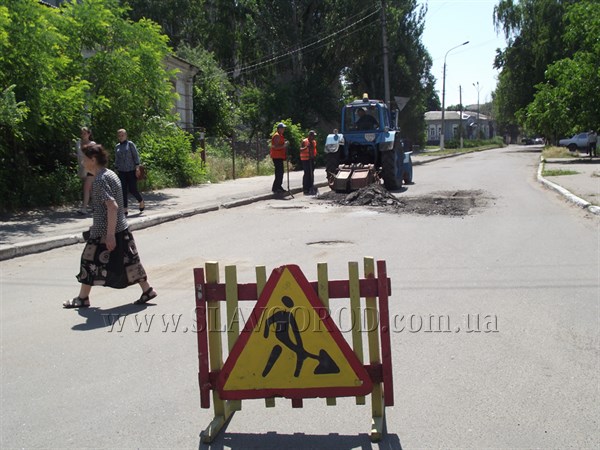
367	149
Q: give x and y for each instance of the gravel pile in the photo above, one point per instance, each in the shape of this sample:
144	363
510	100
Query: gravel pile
445	203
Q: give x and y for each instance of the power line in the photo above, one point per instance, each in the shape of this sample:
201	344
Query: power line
264	59
321	45
322	41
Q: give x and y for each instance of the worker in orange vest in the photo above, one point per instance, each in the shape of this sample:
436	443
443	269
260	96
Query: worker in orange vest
308	153
278	155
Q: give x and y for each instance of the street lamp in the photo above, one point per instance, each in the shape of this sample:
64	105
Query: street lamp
477	87
444	93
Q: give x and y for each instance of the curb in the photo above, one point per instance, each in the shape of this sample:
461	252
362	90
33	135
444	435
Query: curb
451	155
42	245
37	246
584	204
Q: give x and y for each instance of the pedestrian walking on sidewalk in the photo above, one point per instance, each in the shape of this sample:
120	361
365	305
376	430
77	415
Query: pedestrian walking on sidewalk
127	163
110	257
86	177
308	153
278	154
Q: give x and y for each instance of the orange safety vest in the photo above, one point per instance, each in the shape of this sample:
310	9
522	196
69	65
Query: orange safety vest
304	152
277	146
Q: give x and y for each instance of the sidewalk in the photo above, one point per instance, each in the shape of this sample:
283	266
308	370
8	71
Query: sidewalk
44	229
582	187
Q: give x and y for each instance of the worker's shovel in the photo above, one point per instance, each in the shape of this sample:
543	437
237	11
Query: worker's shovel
288	175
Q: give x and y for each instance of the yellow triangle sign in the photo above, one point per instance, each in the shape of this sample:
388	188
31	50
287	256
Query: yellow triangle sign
290	347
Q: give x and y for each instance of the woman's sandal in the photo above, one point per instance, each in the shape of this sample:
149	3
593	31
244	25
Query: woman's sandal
148	295
77	302
142	206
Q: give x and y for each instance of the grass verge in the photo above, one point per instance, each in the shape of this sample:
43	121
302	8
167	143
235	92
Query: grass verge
456	151
559	152
557	172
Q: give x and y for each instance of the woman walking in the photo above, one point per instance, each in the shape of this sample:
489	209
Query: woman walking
110	256
127	163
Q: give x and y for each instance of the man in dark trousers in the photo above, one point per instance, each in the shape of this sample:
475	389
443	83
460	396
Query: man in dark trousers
278	155
308	153
127	163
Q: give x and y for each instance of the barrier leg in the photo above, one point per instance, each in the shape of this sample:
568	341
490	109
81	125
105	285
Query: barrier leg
222	410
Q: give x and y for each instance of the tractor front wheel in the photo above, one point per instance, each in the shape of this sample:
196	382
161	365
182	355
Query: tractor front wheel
388	166
332	166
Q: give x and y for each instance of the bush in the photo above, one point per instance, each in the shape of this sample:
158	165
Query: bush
166	151
44	188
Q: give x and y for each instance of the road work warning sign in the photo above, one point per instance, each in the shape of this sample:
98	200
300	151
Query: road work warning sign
291	347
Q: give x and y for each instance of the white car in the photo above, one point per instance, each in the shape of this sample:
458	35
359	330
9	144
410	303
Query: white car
580	141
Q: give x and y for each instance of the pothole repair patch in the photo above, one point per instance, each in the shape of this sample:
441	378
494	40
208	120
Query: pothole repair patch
442	203
329	244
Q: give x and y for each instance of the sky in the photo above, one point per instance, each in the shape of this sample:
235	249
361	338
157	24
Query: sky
449	23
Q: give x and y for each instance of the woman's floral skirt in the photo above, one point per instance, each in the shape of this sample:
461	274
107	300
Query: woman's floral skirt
117	269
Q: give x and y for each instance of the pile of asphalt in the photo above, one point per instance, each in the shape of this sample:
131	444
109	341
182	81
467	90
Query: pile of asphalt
443	203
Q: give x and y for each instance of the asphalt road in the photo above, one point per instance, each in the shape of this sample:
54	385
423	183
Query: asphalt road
522	264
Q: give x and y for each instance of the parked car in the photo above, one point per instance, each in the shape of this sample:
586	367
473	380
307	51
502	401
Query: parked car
579	141
527	141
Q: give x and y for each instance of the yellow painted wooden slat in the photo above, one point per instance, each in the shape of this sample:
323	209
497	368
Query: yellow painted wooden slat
372	319
357	343
231	300
233	317
261	280
323	288
323	284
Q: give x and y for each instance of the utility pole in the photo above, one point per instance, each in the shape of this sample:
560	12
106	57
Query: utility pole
460	111
478	130
386	76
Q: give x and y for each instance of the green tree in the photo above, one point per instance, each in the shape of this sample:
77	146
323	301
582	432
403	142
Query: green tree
532	29
124	64
36	58
213	92
184	21
301	59
567	101
82	64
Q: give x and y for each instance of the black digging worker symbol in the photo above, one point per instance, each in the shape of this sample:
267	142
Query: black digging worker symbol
287	332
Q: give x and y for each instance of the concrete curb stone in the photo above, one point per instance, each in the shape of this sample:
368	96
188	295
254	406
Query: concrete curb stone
584	204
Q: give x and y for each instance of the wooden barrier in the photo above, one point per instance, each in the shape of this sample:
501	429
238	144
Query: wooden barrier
338	369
